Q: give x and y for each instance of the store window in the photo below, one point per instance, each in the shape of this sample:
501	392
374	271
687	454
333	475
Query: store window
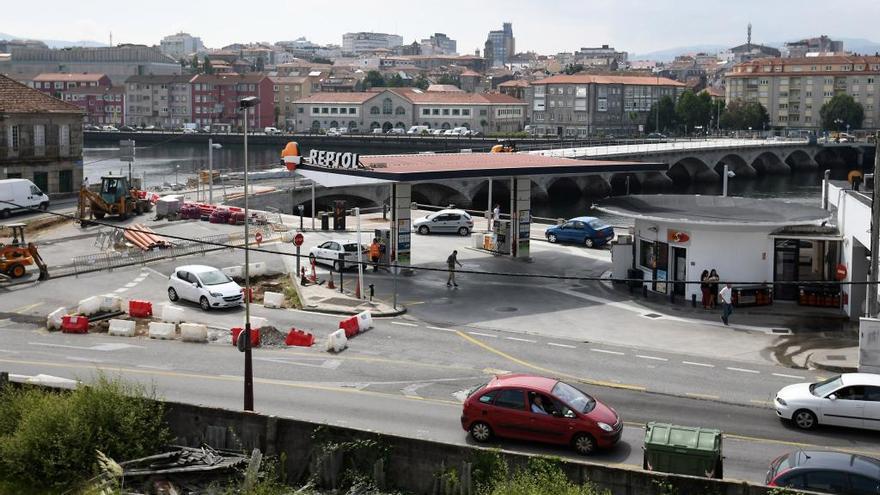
647	257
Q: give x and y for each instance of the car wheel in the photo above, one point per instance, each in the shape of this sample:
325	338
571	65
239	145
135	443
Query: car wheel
804	419
463	231
203	302
4	213
584	444
172	294
337	266
424	230
481	432
552	238
44	206
588	242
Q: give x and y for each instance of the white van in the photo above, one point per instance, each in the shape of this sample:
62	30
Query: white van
271	131
418	129
17	194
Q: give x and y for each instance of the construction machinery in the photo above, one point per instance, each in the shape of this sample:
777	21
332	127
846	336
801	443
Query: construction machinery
16	256
116	198
506	146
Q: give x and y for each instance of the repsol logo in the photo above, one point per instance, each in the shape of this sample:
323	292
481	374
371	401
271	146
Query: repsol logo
334	159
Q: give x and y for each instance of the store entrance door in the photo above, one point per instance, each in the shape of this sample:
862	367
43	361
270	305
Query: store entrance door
679	267
785	269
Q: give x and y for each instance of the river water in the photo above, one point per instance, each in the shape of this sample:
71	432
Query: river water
173	162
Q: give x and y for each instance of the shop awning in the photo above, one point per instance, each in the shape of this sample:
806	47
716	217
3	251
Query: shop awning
808	233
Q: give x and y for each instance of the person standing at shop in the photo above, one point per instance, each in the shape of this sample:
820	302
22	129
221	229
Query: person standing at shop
704	288
726	297
713	288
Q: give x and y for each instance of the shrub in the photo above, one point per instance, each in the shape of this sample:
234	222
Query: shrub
49	440
541	477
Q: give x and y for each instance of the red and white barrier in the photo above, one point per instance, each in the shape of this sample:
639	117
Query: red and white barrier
299	338
121	328
171	314
89	305
365	321
53	321
255	335
336	341
140	309
273	299
111	302
350	326
74	324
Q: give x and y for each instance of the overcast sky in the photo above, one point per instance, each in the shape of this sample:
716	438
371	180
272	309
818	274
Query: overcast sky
545	26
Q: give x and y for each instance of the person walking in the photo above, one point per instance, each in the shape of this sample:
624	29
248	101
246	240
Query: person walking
726	296
704	288
375	253
713	288
496	214
451	261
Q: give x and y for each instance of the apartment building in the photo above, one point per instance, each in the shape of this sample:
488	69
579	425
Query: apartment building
161	101
181	45
367	42
215	100
56	84
102	105
793	90
583	105
286	90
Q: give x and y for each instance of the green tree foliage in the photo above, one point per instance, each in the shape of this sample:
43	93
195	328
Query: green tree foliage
667	116
374	79
573	68
741	114
322	60
194	63
49	440
395	81
421	82
842	111
206	66
693	110
447	79
541	477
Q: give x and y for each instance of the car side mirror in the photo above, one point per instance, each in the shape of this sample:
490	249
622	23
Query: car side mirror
569	414
556	414
832	397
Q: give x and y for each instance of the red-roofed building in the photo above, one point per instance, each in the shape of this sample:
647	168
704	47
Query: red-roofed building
57	84
215	100
582	105
102	105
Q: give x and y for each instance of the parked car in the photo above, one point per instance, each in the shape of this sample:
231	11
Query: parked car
589	231
529	407
18	194
418	129
437	132
450	132
328	252
205	285
332	132
127	128
656	135
271	131
378	130
445	221
396	130
343	130
850	399
826	472
109	128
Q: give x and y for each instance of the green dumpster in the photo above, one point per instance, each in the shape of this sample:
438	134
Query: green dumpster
683	450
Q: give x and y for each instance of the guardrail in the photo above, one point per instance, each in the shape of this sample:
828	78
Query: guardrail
110	260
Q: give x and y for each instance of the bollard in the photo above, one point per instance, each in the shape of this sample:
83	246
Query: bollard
372	291
645	291
693	300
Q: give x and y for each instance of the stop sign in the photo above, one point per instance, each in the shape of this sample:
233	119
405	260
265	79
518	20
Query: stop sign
298	239
259	237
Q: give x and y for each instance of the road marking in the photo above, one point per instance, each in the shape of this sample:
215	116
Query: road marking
443	329
517	339
331	364
607	352
761	402
783	375
702	396
698	364
131	284
27	307
100	347
554	344
121	290
743	370
495	371
484	334
410	390
527	364
651	357
404	324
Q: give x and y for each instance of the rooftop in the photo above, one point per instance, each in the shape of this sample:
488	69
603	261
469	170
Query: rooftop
713	210
16	97
605	79
59	76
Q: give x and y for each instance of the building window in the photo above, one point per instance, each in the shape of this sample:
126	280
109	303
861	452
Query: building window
39	139
456	112
445	111
325	110
387	105
483	113
334	111
374	110
426	111
12	137
316	110
299	110
64	135
435	111
399	111
352	110
465	112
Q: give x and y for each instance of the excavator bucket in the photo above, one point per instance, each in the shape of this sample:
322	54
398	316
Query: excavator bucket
38	260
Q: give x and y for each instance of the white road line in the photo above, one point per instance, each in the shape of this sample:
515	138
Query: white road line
698	364
484	334
742	370
608	352
121	290
655	358
783	375
131	284
522	340
444	329
404	324
554	344
702	396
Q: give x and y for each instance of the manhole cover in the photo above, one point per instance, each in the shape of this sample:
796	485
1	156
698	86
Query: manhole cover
652	315
506	309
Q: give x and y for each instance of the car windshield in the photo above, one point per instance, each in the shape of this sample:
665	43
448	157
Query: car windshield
214	277
575	399
596	224
821	389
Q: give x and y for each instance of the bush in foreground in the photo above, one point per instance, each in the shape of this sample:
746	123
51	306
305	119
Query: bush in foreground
541	477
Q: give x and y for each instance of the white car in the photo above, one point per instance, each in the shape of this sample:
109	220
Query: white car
205	285
328	252
109	128
458	221
850	399
436	132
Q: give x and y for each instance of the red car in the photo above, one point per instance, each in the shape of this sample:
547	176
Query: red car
546	410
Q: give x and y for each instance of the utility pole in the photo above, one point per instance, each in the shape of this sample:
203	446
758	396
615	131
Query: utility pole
875	233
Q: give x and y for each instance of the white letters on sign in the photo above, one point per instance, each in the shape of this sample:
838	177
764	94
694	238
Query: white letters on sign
334	159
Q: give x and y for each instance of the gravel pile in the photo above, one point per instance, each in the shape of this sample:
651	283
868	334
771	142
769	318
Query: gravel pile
272	337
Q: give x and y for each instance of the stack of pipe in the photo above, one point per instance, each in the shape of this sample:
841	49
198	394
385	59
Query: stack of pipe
143	237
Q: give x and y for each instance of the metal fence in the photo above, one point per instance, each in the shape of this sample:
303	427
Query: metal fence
116	259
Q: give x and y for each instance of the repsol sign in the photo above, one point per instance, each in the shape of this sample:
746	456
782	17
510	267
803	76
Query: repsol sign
334	159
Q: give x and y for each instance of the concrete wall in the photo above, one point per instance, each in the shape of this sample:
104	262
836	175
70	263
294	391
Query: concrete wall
413	463
854	223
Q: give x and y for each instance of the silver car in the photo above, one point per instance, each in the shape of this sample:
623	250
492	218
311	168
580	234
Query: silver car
328	253
448	221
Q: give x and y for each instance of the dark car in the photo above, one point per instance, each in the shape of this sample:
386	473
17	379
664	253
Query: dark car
828	472
656	135
127	128
529	407
589	231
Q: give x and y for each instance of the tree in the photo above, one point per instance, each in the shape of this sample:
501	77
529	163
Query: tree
322	60
741	114
842	111
421	82
260	65
395	81
374	79
716	111
206	66
573	68
194	64
693	110
447	79
667	115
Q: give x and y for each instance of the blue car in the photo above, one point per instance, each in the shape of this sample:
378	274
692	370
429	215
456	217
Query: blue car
589	231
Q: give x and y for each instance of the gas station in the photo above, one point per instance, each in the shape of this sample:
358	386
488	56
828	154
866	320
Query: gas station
401	172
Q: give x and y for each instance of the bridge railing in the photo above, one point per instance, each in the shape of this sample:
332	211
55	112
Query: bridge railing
664	146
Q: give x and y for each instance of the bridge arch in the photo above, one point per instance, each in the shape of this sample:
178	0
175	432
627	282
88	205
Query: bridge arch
500	193
691	169
437	194
769	163
564	188
800	160
619	186
736	164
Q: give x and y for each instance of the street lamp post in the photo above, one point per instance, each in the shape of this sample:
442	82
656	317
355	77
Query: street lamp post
244	105
211	147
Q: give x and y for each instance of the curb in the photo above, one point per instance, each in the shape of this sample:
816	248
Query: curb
830	367
376	314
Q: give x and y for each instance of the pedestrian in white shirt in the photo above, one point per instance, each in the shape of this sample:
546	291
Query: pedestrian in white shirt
726	297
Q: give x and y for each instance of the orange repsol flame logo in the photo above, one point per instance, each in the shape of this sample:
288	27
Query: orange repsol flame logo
290	156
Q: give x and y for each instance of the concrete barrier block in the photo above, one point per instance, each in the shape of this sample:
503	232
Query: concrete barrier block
234	271
171	314
273	299
53	321
164	331
256	322
89	305
365	321
258	269
121	328
192	332
336	341
111	302
288	236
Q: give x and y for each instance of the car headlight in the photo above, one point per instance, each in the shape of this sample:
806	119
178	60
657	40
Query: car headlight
781	401
605	426
216	294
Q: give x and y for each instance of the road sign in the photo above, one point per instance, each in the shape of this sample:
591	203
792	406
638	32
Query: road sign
259	237
298	239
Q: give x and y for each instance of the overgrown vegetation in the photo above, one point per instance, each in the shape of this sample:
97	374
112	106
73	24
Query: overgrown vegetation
49	440
542	476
